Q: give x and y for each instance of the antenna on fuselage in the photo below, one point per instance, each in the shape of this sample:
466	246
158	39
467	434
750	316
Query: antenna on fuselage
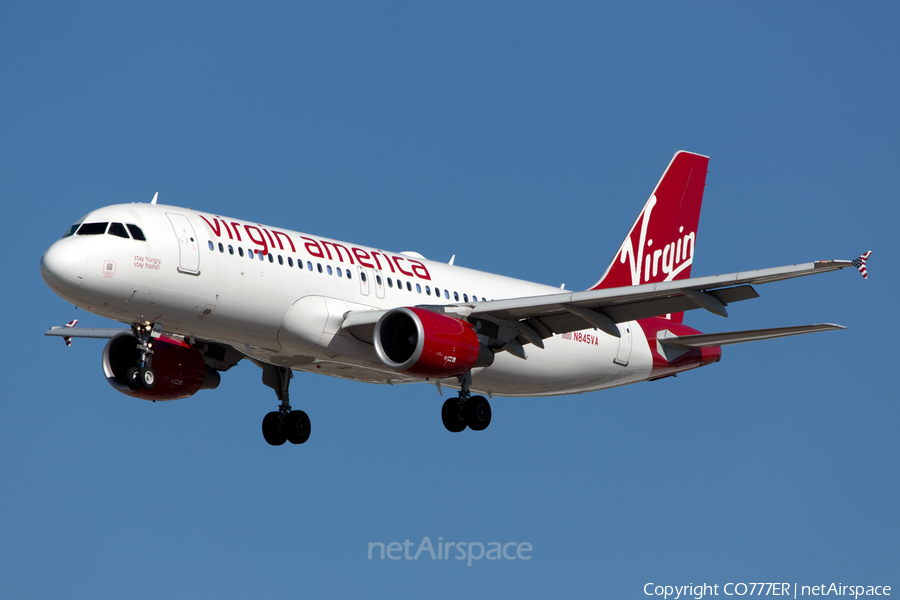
155	196
452	258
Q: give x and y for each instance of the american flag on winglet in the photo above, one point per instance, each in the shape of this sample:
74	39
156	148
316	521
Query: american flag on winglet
67	339
860	263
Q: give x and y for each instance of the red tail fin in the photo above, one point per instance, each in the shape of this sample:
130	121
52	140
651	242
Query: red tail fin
660	245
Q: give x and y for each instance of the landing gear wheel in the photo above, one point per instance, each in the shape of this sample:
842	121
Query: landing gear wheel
133	378
478	413
272	430
147	377
450	416
296	427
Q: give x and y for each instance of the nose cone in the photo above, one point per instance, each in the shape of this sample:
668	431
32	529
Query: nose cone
63	265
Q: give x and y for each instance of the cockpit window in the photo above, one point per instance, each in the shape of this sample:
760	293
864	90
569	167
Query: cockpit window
118	229
136	233
92	229
71	230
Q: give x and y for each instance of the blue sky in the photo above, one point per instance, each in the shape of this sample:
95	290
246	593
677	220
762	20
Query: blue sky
523	138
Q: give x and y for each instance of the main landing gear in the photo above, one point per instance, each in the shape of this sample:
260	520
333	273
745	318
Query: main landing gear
283	425
142	375
473	412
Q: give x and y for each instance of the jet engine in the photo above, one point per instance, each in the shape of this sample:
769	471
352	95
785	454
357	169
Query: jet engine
428	344
180	369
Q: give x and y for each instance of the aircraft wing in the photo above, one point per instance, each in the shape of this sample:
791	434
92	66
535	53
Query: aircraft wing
532	319
85	332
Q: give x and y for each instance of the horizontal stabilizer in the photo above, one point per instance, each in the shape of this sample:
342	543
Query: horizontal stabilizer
704	340
85	332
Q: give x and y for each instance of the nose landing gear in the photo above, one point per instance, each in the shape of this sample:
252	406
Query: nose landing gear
285	424
142	375
473	412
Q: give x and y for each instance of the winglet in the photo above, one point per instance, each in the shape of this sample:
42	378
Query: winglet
67	339
155	196
860	263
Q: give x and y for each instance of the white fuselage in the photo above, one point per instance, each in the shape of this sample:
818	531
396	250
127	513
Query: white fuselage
276	296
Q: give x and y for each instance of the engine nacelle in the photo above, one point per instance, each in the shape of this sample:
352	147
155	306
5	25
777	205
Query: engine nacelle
180	370
424	343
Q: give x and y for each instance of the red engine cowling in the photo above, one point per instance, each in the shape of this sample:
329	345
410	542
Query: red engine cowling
424	343
179	368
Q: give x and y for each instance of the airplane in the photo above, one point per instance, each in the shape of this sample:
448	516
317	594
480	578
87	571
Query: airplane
201	292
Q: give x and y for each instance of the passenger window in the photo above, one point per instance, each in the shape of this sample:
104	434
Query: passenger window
136	232
378	279
408	286
240	251
390	282
362	275
319	266
290	261
427	289
271	258
446	294
437	292
259	254
309	265
118	230
230	249
339	273
221	247
465	297
92	229
280	260
348	274
329	269
211	247
456	296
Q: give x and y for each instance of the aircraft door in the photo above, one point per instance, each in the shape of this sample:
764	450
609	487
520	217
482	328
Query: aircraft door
188	248
363	281
623	355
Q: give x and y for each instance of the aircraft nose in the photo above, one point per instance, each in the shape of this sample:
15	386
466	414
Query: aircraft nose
65	262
